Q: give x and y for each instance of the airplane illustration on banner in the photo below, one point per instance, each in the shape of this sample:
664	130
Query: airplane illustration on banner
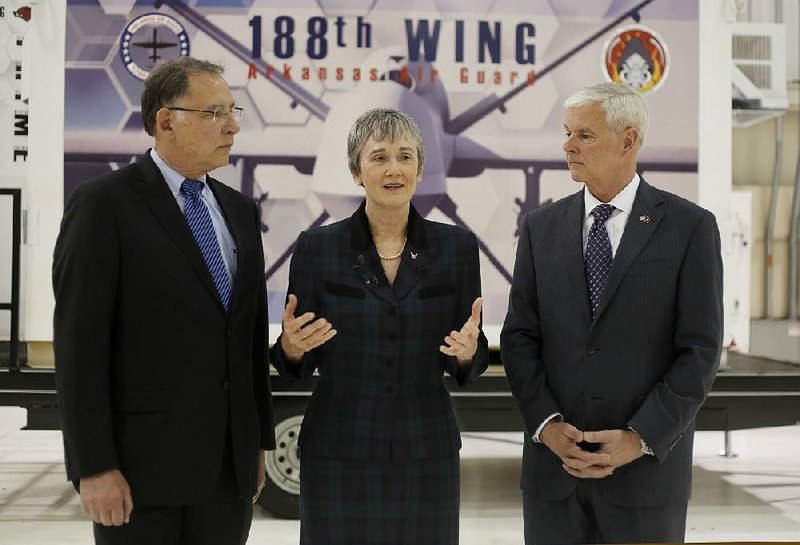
404	84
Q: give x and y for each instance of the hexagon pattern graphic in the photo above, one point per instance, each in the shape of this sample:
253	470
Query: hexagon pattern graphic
491	161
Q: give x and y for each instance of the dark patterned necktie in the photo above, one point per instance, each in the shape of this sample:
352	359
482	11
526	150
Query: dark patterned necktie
199	220
598	259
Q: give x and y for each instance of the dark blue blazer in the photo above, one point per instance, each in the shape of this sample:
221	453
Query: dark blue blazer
380	393
647	360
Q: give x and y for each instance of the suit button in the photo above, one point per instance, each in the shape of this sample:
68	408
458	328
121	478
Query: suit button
392	311
226	385
229	333
388	362
592	350
392	336
390	389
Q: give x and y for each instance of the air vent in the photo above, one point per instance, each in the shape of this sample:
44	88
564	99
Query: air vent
752	48
759	72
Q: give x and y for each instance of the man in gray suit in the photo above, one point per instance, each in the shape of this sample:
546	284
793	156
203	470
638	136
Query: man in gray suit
612	338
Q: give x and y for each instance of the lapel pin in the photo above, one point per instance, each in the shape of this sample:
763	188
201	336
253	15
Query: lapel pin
414	255
644	219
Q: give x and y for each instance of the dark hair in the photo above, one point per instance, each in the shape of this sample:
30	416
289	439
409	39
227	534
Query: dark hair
168	82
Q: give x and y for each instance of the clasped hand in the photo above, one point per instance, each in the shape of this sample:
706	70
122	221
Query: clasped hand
617	448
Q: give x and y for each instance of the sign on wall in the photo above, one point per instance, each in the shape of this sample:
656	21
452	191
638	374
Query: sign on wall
15	17
485	80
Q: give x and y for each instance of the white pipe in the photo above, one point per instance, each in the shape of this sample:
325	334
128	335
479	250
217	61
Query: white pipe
794	240
773	209
794	233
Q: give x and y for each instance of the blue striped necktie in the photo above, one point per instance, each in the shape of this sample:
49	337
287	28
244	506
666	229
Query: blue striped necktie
598	259
199	221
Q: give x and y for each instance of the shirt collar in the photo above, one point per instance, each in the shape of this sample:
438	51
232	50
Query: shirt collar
173	178
622	201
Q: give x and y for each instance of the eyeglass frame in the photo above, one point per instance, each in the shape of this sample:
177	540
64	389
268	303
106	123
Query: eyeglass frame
237	112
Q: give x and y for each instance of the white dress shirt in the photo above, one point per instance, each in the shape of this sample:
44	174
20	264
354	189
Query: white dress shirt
615	225
227	246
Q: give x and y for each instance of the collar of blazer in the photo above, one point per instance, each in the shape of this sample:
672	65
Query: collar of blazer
162	203
413	263
647	204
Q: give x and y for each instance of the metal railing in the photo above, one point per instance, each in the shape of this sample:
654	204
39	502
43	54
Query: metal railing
13	305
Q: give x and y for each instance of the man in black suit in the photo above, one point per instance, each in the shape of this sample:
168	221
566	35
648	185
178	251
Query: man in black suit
612	338
161	329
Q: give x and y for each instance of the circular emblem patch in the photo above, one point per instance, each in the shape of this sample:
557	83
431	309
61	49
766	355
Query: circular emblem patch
638	57
150	38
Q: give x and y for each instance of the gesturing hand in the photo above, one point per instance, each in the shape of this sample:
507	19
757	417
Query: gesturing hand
300	334
106	498
464	343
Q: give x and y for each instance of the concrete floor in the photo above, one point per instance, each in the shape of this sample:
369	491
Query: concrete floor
753	497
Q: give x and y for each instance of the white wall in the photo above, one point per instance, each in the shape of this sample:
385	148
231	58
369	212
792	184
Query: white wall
45	183
715	107
715	172
753	164
42	188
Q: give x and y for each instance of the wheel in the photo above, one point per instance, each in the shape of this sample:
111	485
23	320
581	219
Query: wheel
281	494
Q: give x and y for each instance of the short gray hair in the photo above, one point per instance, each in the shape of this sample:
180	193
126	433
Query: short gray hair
169	82
382	123
623	107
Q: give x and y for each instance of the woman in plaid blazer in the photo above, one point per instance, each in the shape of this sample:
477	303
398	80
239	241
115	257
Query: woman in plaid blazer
382	304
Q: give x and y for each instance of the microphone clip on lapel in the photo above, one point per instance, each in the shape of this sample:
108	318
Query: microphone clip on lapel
359	267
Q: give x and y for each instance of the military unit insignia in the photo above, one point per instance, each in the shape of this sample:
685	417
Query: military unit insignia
638	57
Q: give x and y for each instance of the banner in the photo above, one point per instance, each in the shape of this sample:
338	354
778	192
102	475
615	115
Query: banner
15	17
485	80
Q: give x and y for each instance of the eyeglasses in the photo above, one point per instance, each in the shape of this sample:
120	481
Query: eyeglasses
218	114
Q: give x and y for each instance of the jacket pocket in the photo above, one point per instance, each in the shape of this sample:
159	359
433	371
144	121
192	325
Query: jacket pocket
140	401
343	290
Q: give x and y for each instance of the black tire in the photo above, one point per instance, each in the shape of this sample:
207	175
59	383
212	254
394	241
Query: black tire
281	494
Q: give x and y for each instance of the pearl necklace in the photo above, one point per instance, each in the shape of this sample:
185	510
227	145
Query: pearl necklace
395	256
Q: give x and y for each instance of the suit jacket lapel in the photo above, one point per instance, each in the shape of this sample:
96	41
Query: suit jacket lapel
370	273
414	264
645	216
416	258
162	203
569	245
364	257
